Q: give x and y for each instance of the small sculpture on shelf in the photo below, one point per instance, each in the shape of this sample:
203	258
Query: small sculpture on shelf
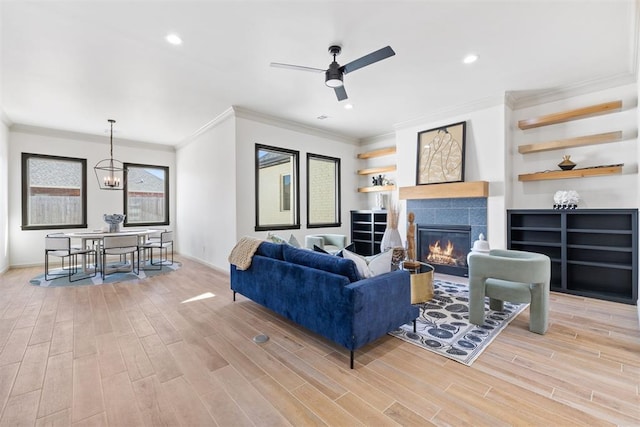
378	180
566	199
566	164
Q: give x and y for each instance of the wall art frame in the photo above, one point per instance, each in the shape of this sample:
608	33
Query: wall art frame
440	156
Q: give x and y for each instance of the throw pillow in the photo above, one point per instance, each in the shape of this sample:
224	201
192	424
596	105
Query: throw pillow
350	247
370	266
294	242
317	248
274	238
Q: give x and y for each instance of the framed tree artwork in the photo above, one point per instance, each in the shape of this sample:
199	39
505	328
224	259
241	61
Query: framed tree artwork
441	154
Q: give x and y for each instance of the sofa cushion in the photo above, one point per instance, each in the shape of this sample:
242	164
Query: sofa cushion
370	266
270	250
320	261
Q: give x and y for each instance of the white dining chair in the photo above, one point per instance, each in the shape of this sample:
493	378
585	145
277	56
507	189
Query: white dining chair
59	246
121	246
166	241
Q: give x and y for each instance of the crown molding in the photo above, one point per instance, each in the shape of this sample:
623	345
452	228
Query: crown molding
244	113
5	119
378	138
268	119
86	137
216	121
454	110
524	99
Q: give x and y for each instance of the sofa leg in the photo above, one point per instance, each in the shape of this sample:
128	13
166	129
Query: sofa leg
234	296
351	359
414	326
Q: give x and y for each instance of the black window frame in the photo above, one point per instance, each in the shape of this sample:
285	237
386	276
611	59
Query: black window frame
296	191
26	185
125	193
338	191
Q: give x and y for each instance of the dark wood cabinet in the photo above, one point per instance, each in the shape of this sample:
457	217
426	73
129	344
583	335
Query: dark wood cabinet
367	229
594	252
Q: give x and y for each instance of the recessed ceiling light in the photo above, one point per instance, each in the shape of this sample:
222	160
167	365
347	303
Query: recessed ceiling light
470	59
174	39
348	106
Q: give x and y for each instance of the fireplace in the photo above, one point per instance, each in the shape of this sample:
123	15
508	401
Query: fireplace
445	247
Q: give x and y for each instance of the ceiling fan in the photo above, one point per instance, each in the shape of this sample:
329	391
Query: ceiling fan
333	76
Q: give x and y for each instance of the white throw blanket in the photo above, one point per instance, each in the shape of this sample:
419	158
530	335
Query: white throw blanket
243	251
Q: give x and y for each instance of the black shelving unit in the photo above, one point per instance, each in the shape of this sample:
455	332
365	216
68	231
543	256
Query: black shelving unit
594	252
367	229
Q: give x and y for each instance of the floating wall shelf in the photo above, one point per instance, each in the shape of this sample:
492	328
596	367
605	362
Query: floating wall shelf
377	153
565	116
452	190
381	169
376	188
571	142
575	173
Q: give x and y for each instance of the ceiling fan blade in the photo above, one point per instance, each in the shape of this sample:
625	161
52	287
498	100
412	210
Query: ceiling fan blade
296	67
341	93
369	59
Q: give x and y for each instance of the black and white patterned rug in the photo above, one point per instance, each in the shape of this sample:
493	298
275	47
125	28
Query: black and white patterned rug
443	325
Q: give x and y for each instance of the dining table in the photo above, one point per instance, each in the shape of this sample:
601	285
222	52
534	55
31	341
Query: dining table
94	237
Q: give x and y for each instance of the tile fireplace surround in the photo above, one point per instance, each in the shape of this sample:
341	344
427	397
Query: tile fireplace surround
470	211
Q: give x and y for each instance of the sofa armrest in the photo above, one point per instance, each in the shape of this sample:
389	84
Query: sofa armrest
381	305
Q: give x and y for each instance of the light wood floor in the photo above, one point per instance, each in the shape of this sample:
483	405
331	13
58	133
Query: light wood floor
145	353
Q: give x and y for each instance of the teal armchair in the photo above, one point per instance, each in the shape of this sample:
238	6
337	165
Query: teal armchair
331	243
514	276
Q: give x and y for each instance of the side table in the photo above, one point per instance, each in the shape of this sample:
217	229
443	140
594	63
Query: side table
421	280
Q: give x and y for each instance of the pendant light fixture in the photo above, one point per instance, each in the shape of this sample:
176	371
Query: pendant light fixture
110	172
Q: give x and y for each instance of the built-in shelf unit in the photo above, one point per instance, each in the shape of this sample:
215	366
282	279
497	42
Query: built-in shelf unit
594	252
367	229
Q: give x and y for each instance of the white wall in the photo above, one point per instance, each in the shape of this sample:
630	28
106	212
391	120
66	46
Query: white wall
216	186
484	161
206	204
251	131
27	247
4	197
613	191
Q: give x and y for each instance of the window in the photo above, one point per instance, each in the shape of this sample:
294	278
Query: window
323	191
277	192
53	192
146	195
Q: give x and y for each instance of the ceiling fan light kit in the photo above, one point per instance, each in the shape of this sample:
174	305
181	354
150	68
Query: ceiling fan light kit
334	75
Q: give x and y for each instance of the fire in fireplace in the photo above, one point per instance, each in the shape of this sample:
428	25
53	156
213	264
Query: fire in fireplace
445	247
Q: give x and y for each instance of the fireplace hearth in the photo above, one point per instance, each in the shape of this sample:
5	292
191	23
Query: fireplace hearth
445	247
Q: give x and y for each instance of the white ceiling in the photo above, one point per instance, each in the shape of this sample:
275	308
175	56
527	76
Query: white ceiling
72	65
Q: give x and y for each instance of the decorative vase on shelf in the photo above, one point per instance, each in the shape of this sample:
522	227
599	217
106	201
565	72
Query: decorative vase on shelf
566	164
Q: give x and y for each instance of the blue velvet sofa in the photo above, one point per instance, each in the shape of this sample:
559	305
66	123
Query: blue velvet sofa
324	294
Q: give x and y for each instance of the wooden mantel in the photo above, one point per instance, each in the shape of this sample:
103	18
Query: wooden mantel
452	190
